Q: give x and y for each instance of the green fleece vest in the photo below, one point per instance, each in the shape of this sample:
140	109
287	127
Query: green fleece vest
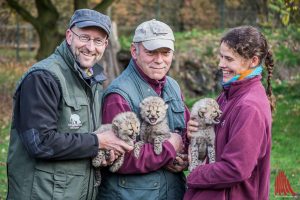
160	184
79	112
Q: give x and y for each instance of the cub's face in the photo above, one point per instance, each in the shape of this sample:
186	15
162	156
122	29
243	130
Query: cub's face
208	111
127	126
153	110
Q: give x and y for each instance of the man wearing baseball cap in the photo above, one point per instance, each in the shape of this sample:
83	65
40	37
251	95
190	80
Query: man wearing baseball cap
56	116
149	176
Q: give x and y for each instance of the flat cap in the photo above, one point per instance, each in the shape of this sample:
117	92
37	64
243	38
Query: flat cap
86	18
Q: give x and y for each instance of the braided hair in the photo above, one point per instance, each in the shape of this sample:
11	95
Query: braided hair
248	41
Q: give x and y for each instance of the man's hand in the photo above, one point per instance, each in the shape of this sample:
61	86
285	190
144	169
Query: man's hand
179	164
192	126
108	141
176	141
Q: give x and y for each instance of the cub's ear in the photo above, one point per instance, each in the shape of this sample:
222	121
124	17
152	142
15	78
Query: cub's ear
166	106
115	125
141	104
201	112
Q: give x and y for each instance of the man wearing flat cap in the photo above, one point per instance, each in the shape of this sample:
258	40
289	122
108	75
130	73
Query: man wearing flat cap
56	116
150	176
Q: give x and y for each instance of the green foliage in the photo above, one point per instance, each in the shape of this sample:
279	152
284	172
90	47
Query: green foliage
125	42
287	56
291	32
288	10
4	139
285	44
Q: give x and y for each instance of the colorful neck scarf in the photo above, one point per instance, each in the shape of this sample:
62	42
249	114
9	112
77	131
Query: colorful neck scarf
244	75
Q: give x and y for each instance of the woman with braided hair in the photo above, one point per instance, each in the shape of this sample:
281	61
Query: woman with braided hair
243	136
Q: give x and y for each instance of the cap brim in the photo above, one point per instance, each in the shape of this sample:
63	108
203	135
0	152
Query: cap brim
158	43
91	23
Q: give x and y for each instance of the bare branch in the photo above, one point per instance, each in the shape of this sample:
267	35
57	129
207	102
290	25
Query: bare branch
46	10
47	14
23	12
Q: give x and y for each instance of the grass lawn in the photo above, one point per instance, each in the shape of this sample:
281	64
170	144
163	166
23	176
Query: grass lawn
4	139
285	136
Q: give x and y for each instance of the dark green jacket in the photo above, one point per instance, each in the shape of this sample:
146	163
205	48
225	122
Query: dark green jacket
78	112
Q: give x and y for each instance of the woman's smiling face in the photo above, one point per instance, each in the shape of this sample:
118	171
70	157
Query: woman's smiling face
231	63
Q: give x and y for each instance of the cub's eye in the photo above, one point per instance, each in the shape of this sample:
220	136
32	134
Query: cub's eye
157	112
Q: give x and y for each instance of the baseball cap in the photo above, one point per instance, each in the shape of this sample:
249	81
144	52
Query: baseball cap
86	18
154	34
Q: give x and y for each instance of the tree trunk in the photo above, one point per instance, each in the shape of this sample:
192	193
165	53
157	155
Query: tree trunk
49	39
109	61
78	4
45	24
46	21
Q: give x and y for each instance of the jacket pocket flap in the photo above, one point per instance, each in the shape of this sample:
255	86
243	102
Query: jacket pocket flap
177	107
149	181
75	101
72	167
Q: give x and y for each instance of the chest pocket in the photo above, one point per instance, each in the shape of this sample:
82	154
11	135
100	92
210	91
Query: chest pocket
176	115
74	115
144	186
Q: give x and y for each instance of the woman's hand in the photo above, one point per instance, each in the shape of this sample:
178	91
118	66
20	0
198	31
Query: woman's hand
192	126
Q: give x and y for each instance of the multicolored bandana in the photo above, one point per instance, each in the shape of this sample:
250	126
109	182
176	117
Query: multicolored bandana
244	75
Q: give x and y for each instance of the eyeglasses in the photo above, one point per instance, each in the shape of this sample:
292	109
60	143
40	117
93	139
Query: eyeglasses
86	38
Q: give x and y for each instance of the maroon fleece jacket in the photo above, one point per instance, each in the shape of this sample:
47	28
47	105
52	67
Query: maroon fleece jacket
243	146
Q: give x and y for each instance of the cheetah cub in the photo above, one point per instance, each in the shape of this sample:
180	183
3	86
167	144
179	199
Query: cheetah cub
126	126
154	126
207	113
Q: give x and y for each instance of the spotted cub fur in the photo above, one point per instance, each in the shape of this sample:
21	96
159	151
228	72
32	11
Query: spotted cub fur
126	126
154	127
207	113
